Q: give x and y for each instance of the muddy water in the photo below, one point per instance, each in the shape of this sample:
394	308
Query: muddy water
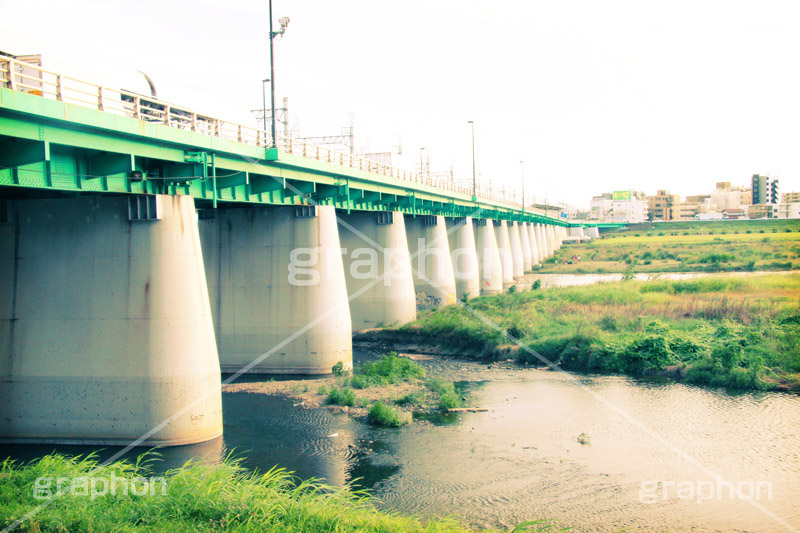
522	459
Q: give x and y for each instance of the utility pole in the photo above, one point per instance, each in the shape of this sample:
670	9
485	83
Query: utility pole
474	177
522	175
283	21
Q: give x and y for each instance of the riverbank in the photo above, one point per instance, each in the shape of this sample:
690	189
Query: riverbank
740	332
684	248
195	497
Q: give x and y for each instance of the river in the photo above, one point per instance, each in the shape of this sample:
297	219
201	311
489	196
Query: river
522	459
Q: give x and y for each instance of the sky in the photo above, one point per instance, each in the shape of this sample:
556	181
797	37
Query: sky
592	96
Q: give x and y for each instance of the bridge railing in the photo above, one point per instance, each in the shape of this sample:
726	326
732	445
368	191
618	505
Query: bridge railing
33	79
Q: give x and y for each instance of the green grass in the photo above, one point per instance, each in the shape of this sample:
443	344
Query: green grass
199	497
686	247
741	332
388	370
384	415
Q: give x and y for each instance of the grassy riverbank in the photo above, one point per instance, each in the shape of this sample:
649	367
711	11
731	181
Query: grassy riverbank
739	332
196	497
686	247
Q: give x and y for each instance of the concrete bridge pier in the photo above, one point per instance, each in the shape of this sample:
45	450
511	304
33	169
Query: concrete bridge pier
105	326
576	231
593	232
545	247
516	250
377	268
277	289
551	239
504	248
464	254
525	241
431	264
531	229
489	263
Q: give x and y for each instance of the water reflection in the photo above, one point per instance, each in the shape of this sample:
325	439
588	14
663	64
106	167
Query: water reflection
521	459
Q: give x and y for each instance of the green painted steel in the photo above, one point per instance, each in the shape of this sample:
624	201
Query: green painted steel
47	145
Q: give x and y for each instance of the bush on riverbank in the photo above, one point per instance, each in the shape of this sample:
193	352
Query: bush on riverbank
737	332
384	415
199	497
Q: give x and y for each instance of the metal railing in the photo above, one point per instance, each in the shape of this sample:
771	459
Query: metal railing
32	79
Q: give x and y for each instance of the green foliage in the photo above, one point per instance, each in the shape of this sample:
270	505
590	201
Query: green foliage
383	415
536	285
338	369
387	370
646	354
343	396
200	497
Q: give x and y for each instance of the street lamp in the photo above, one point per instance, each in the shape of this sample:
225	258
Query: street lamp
283	21
522	177
474	178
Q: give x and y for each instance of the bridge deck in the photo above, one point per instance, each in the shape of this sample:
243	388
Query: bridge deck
59	133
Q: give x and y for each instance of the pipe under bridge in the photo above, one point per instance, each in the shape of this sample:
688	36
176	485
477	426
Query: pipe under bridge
146	248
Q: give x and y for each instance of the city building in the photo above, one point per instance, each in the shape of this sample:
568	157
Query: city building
628	206
790	198
601	206
789	210
726	197
663	206
765	190
763	211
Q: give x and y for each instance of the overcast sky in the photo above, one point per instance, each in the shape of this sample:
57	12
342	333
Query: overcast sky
593	96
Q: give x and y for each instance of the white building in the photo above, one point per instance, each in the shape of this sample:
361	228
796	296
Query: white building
601	207
791	210
630	210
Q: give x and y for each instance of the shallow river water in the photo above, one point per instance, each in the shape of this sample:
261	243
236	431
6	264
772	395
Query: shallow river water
521	459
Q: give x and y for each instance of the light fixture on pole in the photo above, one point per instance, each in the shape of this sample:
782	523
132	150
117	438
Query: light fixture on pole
283	21
474	178
522	177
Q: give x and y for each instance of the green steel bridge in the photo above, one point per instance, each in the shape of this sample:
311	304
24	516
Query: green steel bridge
65	135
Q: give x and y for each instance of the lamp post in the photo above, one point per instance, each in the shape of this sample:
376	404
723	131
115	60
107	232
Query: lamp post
522	178
474	178
283	21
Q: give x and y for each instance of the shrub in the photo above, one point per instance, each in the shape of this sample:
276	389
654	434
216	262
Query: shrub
383	415
338	369
389	369
536	285
343	396
646	354
449	400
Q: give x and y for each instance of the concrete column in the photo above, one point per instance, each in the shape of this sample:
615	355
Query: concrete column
464	254
431	264
527	262
504	248
539	242
377	269
548	232
543	242
516	250
534	246
277	287
576	231
593	232
105	325
489	263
